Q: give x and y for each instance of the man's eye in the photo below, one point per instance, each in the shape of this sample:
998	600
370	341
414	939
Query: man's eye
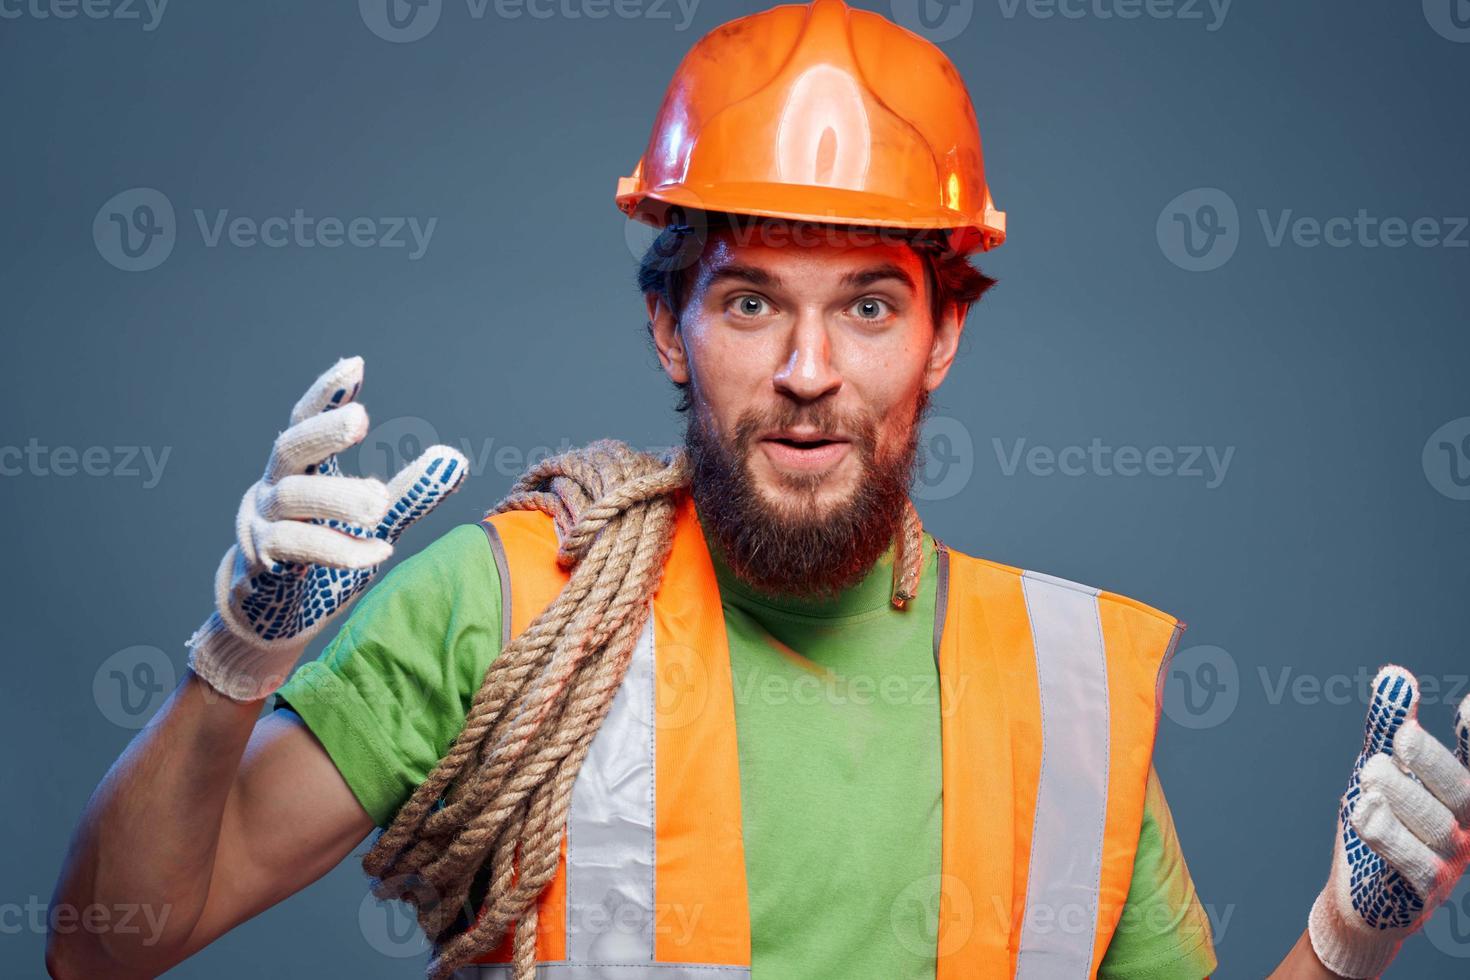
870	309
749	305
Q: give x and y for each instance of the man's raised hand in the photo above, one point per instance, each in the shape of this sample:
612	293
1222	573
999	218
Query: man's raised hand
1403	833
309	540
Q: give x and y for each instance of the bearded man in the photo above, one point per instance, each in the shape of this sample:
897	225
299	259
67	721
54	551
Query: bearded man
729	710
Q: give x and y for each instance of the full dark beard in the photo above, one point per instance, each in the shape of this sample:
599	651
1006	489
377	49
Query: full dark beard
793	548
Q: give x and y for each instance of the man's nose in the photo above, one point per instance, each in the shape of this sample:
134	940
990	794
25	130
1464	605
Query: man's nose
808	372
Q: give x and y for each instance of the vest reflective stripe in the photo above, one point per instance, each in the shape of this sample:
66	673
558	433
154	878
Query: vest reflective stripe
1071	797
609	855
1050	698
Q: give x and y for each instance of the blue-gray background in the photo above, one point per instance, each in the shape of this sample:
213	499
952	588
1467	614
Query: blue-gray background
1333	543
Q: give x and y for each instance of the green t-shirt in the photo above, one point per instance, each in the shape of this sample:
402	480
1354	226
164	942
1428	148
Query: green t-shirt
836	711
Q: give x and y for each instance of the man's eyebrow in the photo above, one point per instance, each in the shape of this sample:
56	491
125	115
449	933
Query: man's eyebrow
866	277
753	275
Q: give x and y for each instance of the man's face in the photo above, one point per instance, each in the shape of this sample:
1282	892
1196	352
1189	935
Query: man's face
810	367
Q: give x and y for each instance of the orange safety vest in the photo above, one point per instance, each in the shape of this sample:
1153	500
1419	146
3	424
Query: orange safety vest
1050	697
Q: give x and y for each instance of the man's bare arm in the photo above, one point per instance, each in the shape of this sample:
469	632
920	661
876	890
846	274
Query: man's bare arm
207	819
1302	963
212	815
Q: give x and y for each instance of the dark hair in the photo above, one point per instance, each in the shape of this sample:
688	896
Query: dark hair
669	260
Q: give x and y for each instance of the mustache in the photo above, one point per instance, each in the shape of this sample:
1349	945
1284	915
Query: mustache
860	428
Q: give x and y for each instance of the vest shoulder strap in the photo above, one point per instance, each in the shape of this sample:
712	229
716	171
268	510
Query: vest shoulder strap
524	544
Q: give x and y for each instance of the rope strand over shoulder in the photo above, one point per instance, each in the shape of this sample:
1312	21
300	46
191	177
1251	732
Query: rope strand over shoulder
499	798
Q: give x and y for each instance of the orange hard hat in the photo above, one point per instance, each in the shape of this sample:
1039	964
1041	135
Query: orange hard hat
818	112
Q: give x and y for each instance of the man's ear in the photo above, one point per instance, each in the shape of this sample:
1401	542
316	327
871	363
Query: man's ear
668	340
944	346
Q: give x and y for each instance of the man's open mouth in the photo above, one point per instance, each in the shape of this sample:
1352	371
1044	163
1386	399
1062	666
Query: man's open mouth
804	451
805	443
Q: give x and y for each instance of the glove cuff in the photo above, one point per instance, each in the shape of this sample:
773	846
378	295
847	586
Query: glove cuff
1345	950
237	668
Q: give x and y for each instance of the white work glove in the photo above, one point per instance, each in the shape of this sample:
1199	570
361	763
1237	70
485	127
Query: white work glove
1403	833
308	540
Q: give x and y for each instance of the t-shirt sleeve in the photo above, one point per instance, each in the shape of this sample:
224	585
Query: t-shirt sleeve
1164	933
391	690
